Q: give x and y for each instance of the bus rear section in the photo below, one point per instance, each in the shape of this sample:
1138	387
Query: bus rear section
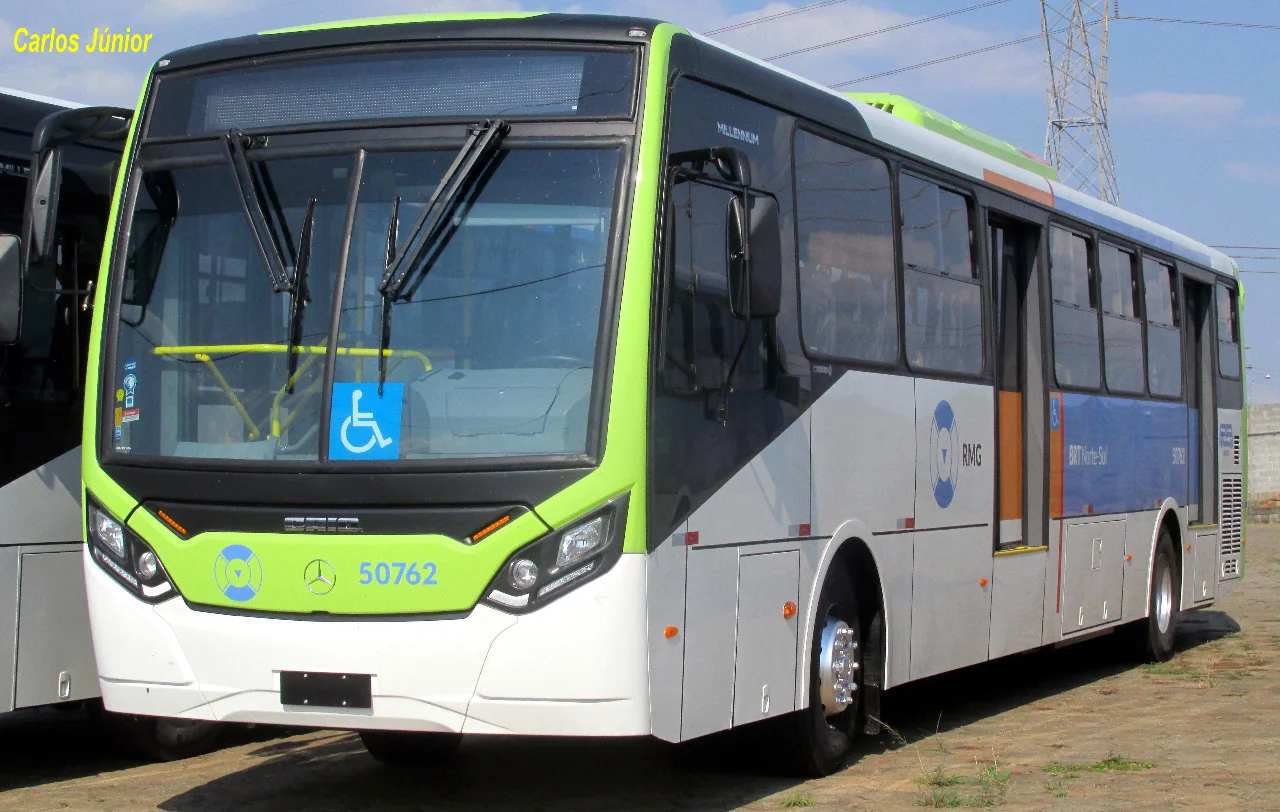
361	345
46	654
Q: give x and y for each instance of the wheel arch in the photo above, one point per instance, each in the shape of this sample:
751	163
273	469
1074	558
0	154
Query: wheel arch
1168	519
848	548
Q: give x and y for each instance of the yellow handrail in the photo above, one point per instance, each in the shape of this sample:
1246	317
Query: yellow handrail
276	428
204	352
241	349
231	395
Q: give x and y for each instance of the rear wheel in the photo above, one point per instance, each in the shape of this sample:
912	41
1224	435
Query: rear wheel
397	748
1156	633
818	738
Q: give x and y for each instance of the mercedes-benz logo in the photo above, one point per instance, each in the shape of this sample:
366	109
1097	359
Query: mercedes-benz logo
320	577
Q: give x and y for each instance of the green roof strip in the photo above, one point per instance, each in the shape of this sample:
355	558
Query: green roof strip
936	122
397	19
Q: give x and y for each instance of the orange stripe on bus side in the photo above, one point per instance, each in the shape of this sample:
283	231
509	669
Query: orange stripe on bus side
1042	196
1010	455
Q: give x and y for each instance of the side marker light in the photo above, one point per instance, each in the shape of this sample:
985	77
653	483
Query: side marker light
982	582
789	610
670	632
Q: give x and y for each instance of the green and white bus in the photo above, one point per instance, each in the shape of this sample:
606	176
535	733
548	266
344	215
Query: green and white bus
554	374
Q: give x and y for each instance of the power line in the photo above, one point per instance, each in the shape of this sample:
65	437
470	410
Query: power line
1263	273
1216	23
1249	247
897	27
974	52
769	17
1254	256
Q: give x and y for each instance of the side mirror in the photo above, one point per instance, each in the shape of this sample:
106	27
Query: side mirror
42	207
10	288
755	256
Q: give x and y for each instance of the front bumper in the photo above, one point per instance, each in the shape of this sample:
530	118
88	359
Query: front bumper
578	666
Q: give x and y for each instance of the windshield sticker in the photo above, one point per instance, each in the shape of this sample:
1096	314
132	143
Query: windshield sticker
365	426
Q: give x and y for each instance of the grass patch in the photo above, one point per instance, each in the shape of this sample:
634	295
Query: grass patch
798	800
1169	670
988	787
1112	763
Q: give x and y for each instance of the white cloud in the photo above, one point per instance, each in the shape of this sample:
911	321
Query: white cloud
1207	108
1256	172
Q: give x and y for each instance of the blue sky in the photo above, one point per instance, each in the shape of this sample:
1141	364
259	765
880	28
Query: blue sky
1195	110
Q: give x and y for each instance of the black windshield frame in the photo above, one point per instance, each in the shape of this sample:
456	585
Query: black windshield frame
371	140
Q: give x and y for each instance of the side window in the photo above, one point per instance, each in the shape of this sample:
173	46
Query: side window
1164	339
848	287
943	295
1121	328
1228	333
1075	310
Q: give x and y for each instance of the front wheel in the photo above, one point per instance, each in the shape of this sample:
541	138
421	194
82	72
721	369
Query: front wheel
397	748
818	738
162	739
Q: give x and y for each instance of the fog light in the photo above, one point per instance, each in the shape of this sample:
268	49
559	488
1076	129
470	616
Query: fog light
524	574
580	542
147	566
107	531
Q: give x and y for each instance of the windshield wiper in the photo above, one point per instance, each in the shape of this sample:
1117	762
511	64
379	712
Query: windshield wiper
300	295
278	275
233	146
406	269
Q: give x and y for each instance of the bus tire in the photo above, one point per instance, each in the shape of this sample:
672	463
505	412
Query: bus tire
817	739
399	748
160	739
1161	624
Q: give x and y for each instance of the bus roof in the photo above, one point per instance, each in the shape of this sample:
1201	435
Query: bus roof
36	97
973	153
934	121
962	157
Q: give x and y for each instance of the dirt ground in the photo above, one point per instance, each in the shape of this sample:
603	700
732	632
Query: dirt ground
1076	728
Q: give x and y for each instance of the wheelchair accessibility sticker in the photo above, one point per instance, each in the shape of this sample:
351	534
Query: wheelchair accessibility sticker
365	426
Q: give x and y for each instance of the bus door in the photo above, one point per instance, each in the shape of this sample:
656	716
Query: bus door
1200	562
1201	438
1020	571
1020	410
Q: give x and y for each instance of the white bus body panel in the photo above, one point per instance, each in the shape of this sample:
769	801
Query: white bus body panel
574	667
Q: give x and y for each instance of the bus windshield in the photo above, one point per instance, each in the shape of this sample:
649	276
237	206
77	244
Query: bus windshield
490	354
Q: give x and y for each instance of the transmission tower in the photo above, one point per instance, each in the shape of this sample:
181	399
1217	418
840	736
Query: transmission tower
1077	141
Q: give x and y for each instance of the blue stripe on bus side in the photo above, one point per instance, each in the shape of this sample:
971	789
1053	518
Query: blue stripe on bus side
1123	455
1131	231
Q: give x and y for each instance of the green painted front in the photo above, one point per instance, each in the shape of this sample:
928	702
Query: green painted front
462	571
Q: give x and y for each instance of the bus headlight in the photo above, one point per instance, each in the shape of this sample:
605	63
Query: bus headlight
106	531
124	556
558	562
581	541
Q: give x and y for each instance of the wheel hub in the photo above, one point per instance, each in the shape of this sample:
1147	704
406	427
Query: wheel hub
1164	601
837	666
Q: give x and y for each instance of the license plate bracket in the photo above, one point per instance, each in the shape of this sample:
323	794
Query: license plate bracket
313	689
